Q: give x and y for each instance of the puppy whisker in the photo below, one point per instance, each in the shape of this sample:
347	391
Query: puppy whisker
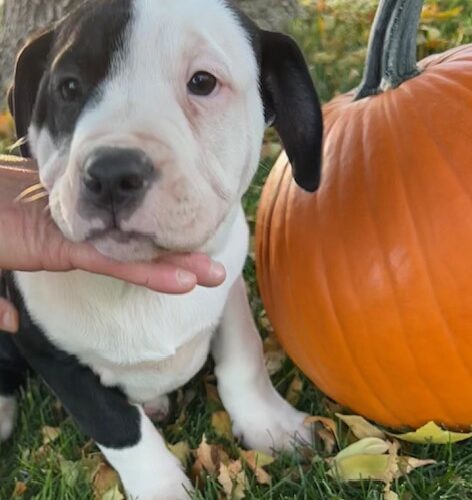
32	194
33	190
36	197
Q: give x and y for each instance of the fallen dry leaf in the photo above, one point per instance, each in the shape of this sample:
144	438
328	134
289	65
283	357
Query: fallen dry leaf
294	391
233	480
113	494
360	427
50	434
19	490
328	433
329	441
70	471
91	463
432	433
106	479
256	461
209	457
212	395
221	423
182	451
274	361
366	446
368	459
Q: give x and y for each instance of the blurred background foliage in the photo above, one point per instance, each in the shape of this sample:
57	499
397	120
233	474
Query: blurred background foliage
334	36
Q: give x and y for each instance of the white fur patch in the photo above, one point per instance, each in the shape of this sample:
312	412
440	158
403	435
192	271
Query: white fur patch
260	416
148	470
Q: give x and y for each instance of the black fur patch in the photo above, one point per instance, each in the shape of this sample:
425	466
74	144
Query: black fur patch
81	46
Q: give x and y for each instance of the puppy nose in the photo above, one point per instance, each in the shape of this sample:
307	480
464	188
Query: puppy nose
115	178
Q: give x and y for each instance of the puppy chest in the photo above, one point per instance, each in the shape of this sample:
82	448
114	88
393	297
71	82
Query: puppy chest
146	381
145	342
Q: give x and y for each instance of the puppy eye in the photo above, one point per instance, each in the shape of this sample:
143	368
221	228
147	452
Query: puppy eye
202	84
70	90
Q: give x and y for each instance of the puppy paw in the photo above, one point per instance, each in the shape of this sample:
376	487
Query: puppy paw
172	485
7	416
270	424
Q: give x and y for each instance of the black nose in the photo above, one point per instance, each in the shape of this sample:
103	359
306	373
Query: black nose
116	178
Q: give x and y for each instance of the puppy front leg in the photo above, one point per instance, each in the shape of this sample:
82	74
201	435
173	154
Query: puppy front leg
122	431
263	419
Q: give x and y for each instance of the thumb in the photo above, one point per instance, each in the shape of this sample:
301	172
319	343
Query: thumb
8	317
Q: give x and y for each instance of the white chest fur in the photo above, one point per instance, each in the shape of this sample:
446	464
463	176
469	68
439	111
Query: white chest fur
146	342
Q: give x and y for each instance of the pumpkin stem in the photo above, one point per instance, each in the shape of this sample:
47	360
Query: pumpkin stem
391	57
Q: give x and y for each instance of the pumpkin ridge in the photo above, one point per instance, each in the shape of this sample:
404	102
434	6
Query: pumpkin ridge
426	259
378	373
375	401
392	286
364	133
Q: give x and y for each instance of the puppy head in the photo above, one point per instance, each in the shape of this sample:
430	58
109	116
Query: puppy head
147	117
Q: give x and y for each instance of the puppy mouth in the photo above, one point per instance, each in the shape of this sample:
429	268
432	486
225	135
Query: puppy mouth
122	237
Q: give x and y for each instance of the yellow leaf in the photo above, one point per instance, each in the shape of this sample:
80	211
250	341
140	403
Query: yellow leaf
360	467
294	391
221	423
368	460
50	434
182	451
113	494
432	433
374	467
360	427
70	471
366	446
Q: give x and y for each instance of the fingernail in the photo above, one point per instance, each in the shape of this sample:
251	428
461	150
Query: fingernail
186	279
9	322
217	271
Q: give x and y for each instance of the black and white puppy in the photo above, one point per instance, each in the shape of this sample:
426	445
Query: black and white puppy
146	118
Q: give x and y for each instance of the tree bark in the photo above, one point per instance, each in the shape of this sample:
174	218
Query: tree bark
21	18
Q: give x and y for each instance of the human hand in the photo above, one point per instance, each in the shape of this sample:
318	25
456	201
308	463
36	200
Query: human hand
31	241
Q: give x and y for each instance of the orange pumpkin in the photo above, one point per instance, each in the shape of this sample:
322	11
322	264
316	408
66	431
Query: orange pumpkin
368	282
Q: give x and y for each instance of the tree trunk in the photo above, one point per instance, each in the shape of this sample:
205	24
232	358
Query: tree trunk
23	17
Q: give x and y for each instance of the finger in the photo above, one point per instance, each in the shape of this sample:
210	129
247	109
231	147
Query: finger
159	276
8	317
208	272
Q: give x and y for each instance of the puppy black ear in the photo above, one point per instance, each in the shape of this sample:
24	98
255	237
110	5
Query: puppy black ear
292	106
29	70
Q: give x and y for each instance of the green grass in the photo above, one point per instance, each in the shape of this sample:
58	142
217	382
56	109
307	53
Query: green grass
334	41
